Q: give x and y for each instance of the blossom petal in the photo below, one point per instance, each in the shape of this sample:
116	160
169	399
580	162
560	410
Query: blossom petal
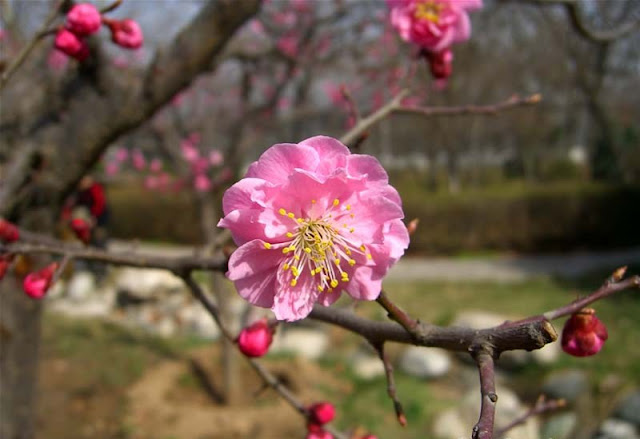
365	284
248	193
294	302
253	269
332	151
276	163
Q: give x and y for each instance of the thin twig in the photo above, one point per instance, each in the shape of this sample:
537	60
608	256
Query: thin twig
484	428
396	313
26	50
111	7
391	383
541	406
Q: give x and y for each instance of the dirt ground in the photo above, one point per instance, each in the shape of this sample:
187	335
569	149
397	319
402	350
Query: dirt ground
176	399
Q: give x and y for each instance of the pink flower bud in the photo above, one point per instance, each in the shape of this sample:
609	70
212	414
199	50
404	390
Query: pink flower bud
441	63
254	340
70	44
81	228
322	413
83	19
370	436
315	431
155	165
139	162
126	33
583	334
35	285
8	231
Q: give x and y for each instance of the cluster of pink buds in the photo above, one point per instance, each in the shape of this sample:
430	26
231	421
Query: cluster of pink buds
583	334
84	19
36	284
254	340
320	413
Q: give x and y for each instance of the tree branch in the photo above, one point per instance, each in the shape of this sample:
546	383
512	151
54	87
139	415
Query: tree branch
486	369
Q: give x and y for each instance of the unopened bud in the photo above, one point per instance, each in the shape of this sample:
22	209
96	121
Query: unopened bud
583	334
36	284
322	413
82	229
413	226
8	231
254	340
83	19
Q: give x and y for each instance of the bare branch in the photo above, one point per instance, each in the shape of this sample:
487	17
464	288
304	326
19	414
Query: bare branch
391	383
541	406
26	50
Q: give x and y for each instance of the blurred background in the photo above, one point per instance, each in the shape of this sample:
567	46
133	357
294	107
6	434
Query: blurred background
520	212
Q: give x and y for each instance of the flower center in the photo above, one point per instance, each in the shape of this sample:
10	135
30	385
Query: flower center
428	10
322	246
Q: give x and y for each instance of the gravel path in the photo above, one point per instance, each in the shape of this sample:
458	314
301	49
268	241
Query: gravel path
500	269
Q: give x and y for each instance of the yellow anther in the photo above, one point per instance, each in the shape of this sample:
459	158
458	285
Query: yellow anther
296	257
300	220
352	262
282	211
307	250
369	256
289	235
294	282
345	225
345	275
345	278
336	202
362	247
313	272
337	261
347	251
291	215
267	245
351	230
295	271
352	215
313	201
334	283
348	206
285	267
285	250
320	288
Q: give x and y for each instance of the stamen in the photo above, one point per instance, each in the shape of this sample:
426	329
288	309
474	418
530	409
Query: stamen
267	245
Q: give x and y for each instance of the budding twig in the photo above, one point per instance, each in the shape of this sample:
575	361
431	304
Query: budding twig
484	428
541	406
391	383
26	50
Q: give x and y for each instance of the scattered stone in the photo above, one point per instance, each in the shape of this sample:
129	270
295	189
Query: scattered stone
617	429
308	343
426	363
548	354
454	423
559	426
81	286
194	319
629	408
566	384
366	366
147	282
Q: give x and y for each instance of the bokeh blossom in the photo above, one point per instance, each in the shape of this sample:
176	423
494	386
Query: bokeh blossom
8	231
125	33
433	25
583	334
83	19
312	220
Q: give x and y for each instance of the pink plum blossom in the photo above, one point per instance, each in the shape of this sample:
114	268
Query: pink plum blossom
139	162
288	45
583	334
151	182
322	412
122	154
155	165
9	232
312	220
432	24
71	44
201	183
112	168
189	151
200	165
36	284
216	158
126	33
83	19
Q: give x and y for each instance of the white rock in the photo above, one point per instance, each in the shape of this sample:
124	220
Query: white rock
456	423
165	327
308	343
618	429
81	286
147	282
367	366
197	321
478	319
91	308
425	362
548	354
